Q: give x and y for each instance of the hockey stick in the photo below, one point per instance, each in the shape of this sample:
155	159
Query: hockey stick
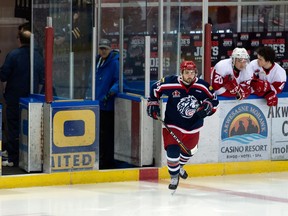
182	146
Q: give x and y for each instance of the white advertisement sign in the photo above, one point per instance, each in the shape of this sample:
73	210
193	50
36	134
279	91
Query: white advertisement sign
245	130
279	118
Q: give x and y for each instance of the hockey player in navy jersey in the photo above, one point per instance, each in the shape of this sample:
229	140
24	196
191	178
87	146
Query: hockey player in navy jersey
190	100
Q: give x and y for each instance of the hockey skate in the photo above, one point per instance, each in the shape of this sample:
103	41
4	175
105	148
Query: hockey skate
174	182
183	174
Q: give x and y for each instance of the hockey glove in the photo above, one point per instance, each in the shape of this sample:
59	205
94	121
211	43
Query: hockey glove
260	86
271	98
231	85
153	109
243	93
204	109
240	95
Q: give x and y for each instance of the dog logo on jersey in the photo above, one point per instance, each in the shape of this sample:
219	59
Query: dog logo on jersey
187	106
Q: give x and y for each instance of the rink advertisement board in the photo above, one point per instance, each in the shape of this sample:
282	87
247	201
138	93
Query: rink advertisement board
279	116
30	137
73	136
245	131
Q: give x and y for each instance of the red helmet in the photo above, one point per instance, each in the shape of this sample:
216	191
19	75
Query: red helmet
188	65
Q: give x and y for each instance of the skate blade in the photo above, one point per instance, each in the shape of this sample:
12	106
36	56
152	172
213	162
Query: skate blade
173	192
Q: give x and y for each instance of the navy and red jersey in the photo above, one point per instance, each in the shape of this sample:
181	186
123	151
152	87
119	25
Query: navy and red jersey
183	101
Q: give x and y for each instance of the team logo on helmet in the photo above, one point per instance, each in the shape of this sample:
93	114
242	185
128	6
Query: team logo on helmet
187	106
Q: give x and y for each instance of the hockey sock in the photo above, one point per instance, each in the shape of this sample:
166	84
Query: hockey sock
173	157
184	158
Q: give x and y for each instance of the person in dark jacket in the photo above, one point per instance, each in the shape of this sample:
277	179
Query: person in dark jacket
15	77
107	86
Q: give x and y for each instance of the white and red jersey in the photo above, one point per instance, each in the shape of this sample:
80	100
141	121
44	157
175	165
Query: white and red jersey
276	75
221	73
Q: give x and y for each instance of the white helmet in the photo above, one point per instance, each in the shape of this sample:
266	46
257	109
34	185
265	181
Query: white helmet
240	53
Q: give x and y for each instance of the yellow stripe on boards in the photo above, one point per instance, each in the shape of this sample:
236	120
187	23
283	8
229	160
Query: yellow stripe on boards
90	177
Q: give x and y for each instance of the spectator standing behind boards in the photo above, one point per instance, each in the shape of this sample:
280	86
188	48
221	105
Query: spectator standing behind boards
107	86
230	78
15	76
269	77
24	27
21	27
190	100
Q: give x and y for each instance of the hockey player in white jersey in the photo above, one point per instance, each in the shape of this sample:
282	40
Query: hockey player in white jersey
229	77
269	77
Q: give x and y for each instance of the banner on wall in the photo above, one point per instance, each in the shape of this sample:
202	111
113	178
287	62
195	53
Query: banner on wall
223	44
191	49
279	115
244	132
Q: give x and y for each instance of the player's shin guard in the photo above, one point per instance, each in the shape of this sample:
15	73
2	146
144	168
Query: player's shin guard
172	155
184	158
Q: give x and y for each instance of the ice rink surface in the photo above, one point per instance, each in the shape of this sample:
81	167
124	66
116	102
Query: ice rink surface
255	194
